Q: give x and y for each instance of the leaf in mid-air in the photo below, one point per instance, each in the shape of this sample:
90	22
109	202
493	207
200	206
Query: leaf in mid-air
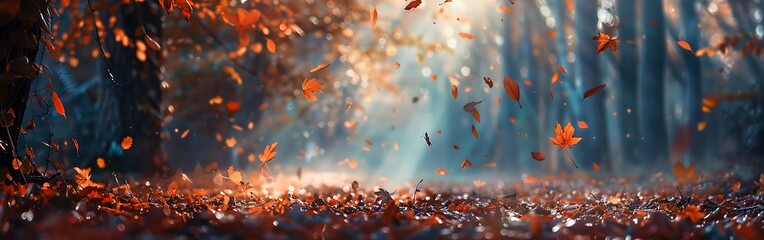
310	88
513	90
604	41
564	138
593	91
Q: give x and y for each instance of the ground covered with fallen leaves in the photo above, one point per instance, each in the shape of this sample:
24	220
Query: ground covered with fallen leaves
719	206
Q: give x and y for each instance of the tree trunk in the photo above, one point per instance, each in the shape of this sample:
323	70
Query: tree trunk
132	106
627	71
19	41
650	87
692	79
595	144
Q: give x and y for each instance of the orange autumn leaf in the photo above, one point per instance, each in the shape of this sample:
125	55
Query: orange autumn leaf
184	134
466	35
530	179
505	9
232	106
127	142
564	138
684	45
562	69
513	120
57	104
538	156
693	213
230	142
269	153
684	173
441	171
310	87
476	115
583	124
555	77
454	91
320	67
604	41
466	163
702	126
243	19
101	163
373	16
596	167
16	164
270	45
513	90
474	131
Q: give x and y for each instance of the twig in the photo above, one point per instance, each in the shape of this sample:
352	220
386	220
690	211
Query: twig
98	38
680	192
417	190
222	44
567	150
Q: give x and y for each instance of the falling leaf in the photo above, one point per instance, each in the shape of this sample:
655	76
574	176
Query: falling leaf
76	146
596	167
269	153
439	132
551	34
127	142
355	185
478	183
471	106
58	105
564	138
466	35
466	163
701	126
396	64
476	115
184	134
474	131
270	45
705	51
232	106
593	91
413	4
562	69
736	186
16	164
454	91
513	120
373	16
101	163
230	142
604	41
583	124
505	9
488	82
538	156
530	179
684	173
310	87
427	139
154	45
320	67
441	171
513	90
555	77
684	45
235	176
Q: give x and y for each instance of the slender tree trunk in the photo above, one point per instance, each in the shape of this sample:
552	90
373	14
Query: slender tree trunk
135	101
14	87
691	76
650	86
595	143
627	71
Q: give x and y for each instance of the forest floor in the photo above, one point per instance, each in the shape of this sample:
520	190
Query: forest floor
721	206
